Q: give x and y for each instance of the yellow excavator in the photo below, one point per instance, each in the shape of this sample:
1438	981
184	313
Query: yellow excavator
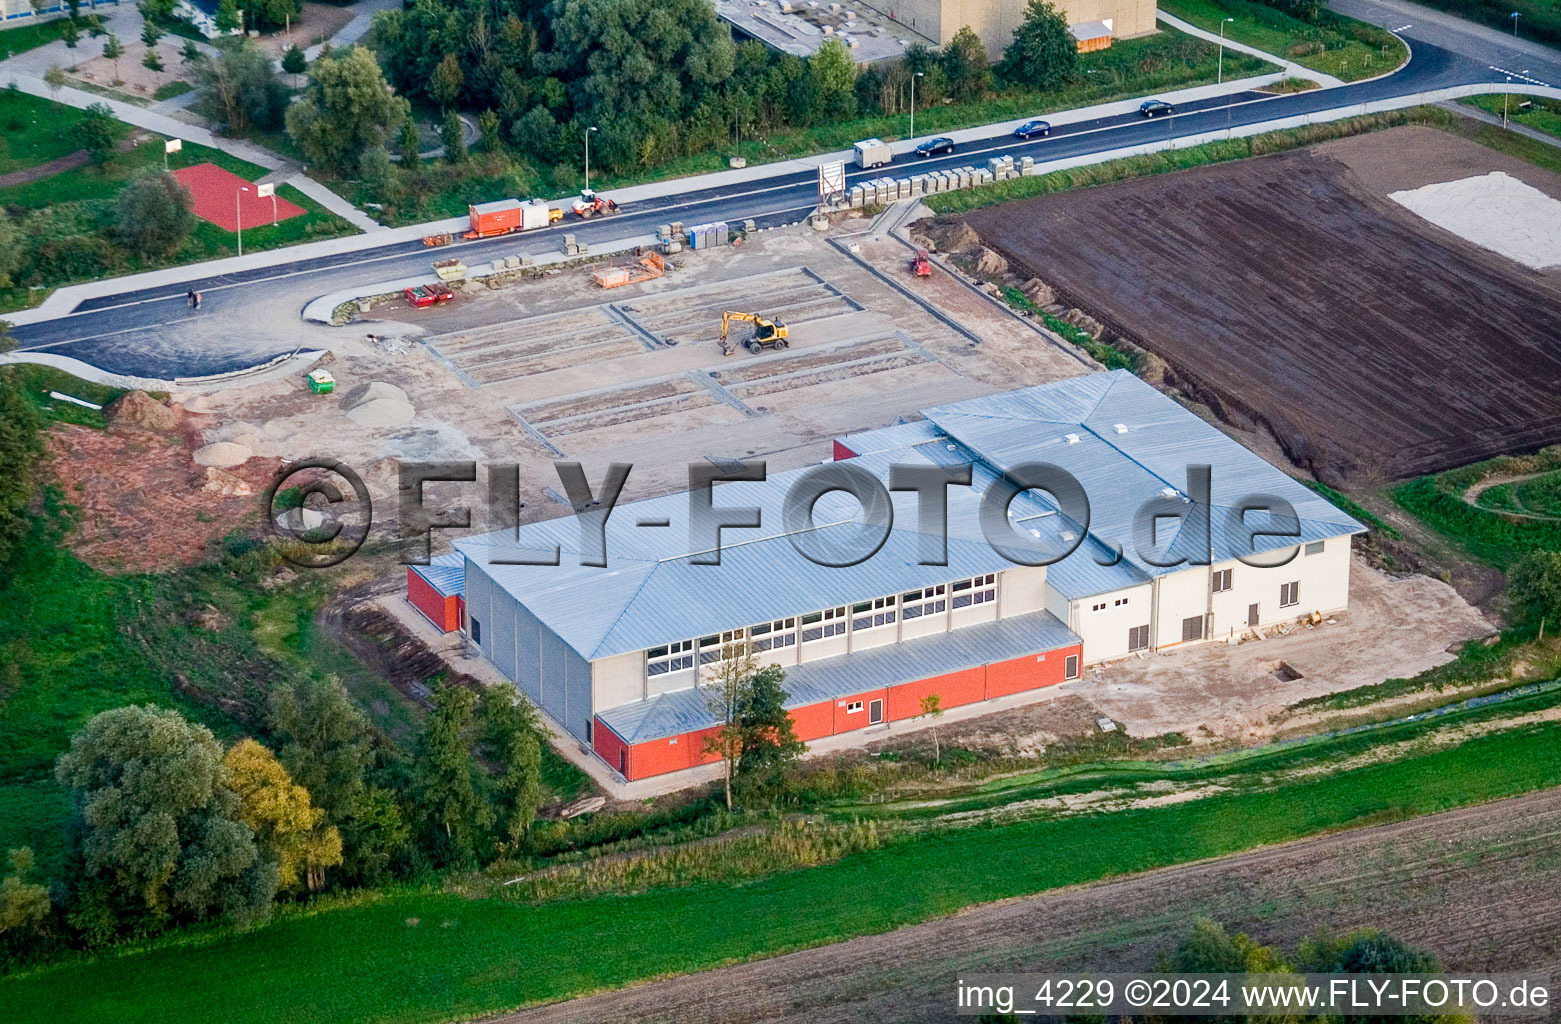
767	333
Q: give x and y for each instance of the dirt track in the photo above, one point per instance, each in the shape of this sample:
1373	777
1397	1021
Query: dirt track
1477	885
1292	293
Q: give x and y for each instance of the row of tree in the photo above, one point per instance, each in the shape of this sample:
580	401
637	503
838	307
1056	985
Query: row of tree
660	78
168	827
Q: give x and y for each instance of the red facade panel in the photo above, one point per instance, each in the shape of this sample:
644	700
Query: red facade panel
957	688
827	718
444	612
609	746
1028	673
814	721
847	720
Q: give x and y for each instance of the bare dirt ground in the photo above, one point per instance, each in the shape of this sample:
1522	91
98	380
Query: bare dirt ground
130	74
557	366
1463	884
1292	294
142	502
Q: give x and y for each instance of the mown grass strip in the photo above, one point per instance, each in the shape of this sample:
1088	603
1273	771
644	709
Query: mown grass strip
417	958
1131	167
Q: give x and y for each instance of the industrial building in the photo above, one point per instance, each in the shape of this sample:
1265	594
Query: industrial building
1094	22
615	654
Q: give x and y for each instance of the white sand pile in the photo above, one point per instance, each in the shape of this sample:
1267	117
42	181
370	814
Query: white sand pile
1494	211
378	404
223	454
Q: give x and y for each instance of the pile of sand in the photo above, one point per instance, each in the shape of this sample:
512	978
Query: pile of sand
139	409
1494	211
378	404
223	454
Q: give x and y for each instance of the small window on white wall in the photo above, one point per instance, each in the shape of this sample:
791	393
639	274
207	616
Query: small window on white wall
980	590
1316	547
1222	580
854	705
1289	594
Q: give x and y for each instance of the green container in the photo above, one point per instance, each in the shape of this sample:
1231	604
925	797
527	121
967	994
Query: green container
321	383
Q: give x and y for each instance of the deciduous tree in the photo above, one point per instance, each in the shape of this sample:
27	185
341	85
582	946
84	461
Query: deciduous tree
448	785
24	904
54	78
97	132
932	708
159	834
444	85
227	18
513	745
289	829
1043	53
241	81
70	32
346	108
833	73
1534	586
113	49
489	137
325	741
10	250
153	214
21	448
966	67
753	736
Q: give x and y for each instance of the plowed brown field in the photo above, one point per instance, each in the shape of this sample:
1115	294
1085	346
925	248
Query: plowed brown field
1292	293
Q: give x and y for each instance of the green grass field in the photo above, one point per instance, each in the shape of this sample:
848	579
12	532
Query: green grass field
64	209
30	36
1480	529
415	956
1336	45
1542	114
35	130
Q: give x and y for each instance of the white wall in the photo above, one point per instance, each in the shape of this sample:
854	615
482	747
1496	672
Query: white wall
1324	580
1179	596
617	680
1105	632
1022	591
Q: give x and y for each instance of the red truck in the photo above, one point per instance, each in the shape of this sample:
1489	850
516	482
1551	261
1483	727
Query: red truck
424	295
507	215
921	264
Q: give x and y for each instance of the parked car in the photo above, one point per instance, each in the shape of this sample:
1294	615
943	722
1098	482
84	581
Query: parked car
932	147
1030	129
1154	108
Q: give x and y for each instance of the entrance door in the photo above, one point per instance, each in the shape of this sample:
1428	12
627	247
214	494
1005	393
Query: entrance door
623	761
874	712
1252	616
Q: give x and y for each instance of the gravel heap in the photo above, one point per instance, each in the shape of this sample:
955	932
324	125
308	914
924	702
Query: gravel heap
378	404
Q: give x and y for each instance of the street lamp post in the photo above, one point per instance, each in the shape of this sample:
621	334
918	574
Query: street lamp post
1219	74
238	216
1515	15
913	103
1506	98
588	132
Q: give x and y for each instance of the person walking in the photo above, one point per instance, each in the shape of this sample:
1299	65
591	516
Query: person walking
189	298
197	299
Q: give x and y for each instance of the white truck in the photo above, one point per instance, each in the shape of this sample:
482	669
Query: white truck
872	153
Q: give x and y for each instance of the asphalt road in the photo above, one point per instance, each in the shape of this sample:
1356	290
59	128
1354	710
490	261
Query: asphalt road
153	333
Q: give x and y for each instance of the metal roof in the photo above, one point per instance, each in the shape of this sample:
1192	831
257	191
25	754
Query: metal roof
497	206
652	592
445	573
848	675
1127	444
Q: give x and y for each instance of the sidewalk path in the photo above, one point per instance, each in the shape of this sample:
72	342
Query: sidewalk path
336	204
1292	69
1511	126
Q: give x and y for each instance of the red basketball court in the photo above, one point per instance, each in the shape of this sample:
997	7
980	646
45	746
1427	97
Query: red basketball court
218	199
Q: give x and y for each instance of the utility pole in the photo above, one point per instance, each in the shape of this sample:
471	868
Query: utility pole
1219	74
588	132
238	216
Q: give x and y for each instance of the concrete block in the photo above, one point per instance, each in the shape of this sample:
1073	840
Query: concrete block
749	227
528	261
1028	161
994	164
511	262
582	249
498	265
1029	170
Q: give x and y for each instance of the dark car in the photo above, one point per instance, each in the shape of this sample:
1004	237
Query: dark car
932	147
1154	108
1030	129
